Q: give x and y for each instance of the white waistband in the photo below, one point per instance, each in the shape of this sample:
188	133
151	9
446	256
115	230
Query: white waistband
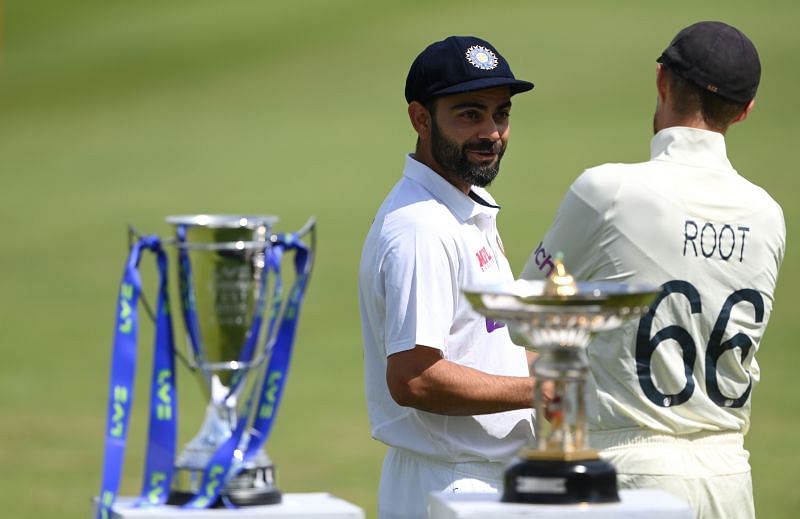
631	437
697	455
491	470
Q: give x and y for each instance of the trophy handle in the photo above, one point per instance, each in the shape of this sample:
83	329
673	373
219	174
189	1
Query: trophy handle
308	229
133	236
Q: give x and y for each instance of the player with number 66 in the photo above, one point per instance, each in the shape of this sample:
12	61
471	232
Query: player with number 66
669	396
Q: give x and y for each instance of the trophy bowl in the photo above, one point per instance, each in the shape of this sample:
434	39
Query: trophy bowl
224	284
557	319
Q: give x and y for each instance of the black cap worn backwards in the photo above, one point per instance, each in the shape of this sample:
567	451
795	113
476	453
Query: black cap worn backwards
717	57
459	64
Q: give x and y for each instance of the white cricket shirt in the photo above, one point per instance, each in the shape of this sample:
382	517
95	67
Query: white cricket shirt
427	241
688	221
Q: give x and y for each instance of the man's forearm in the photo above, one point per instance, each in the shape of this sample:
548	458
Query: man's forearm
448	388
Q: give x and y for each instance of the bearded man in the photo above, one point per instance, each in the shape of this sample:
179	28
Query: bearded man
446	389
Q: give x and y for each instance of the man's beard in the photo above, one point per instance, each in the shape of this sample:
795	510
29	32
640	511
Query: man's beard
453	159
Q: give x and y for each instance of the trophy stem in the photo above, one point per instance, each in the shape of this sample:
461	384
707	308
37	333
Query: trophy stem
218	425
562	426
561	468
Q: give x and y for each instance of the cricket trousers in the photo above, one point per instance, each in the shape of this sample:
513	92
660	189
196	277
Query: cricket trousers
710	471
407	479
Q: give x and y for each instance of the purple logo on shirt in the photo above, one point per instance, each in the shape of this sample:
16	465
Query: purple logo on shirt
493	325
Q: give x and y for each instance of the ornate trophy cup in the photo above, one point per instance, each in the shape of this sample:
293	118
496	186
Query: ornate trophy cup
556	318
240	328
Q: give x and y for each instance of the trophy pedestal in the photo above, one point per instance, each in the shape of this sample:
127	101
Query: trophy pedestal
554	481
251	487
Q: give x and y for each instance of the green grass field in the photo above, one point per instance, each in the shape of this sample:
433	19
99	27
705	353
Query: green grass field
125	112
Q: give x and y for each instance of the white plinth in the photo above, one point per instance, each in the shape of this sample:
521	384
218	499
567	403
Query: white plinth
293	506
640	504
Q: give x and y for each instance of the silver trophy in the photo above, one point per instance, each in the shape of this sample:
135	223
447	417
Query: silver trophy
557	318
226	291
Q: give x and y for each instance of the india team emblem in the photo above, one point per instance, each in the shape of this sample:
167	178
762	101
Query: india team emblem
481	57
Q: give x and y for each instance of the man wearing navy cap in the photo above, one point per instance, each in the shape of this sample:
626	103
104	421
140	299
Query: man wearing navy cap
447	390
669	396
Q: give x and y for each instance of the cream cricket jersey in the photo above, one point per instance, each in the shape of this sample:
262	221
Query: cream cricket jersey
687	221
427	241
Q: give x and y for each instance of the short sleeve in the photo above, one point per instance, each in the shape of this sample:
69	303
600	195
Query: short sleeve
420	273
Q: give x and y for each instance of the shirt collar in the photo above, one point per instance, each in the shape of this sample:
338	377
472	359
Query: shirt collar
691	146
463	206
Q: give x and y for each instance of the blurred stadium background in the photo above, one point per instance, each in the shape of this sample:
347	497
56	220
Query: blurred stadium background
125	112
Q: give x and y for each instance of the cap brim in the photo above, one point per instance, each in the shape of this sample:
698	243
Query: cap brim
515	85
673	61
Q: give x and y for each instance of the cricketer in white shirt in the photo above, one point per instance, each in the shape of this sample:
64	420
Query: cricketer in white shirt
681	379
428	240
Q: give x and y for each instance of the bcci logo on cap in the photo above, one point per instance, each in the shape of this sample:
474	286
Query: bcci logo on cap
481	57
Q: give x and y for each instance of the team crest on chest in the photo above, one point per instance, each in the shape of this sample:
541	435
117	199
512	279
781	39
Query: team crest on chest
481	57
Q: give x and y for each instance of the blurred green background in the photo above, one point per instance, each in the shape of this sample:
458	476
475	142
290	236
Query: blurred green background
125	112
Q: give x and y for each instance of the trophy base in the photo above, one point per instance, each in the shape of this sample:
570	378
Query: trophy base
549	481
251	487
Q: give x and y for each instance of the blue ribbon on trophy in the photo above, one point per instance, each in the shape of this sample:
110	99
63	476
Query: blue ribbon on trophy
240	452
163	401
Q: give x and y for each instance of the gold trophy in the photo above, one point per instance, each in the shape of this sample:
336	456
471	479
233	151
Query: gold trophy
556	319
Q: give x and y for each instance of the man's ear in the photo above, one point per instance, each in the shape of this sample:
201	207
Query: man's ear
420	119
742	116
662	82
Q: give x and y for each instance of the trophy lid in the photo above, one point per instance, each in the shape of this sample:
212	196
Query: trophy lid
539	314
223	221
539	296
560	294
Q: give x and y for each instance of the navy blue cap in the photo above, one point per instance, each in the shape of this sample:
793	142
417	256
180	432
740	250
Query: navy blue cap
717	57
459	64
